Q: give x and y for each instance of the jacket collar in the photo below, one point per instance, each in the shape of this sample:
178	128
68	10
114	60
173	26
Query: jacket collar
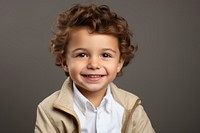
65	98
124	98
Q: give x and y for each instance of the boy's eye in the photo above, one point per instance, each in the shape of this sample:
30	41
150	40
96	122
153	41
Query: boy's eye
81	55
106	55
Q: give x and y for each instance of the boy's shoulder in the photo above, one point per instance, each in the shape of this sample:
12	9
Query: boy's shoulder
62	98
124	97
48	102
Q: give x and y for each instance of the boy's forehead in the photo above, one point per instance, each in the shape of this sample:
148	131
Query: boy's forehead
86	35
77	33
83	38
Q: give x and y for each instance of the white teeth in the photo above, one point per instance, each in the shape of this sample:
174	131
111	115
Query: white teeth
93	76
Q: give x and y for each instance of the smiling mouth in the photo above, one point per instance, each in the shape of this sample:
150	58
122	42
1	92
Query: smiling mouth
92	75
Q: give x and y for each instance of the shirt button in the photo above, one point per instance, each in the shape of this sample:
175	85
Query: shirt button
83	110
109	110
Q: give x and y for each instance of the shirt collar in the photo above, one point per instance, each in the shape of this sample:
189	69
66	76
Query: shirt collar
82	102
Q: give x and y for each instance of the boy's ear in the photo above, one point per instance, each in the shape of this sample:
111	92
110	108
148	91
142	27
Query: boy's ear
120	64
64	65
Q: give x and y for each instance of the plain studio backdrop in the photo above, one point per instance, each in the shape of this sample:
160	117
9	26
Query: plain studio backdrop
165	73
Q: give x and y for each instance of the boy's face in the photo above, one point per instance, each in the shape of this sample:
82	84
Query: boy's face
92	60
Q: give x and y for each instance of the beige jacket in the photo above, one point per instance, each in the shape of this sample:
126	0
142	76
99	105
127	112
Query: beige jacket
55	114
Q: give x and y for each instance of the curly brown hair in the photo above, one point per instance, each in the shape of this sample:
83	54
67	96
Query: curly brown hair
99	19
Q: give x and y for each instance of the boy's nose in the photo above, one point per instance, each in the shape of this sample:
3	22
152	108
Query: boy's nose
94	63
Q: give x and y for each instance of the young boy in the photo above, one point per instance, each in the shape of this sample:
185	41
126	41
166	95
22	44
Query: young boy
92	45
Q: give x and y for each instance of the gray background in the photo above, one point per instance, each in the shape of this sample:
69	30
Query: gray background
165	73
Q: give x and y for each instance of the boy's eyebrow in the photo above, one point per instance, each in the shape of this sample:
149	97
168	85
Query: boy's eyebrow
83	49
109	49
104	49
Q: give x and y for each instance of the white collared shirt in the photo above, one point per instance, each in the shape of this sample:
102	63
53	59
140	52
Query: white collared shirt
107	118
